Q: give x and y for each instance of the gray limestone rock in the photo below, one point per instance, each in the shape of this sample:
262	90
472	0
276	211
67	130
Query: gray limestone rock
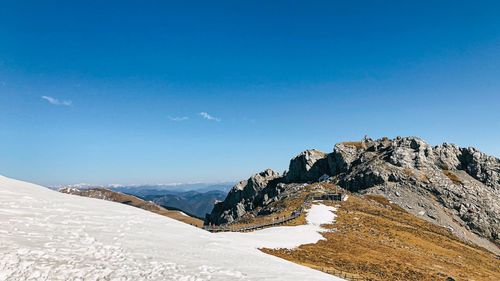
307	166
454	187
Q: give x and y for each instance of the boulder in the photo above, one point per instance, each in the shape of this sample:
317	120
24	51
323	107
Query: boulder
307	166
340	160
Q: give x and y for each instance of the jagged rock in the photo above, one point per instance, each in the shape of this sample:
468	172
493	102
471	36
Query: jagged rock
447	156
241	198
453	186
339	161
307	166
455	177
324	178
481	166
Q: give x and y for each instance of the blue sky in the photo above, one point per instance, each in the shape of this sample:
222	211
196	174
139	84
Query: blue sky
186	91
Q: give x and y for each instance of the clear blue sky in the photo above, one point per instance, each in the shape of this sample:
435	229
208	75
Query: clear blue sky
113	91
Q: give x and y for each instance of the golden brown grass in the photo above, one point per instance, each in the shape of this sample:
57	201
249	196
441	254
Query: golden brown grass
356	144
380	241
181	217
139	203
416	174
452	176
287	207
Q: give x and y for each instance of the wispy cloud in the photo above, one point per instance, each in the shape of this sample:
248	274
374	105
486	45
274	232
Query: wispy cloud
178	118
207	116
55	101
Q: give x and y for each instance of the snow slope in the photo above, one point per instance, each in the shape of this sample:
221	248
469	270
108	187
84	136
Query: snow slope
46	235
286	236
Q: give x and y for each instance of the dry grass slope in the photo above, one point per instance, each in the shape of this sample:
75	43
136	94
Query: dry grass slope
378	240
118	197
287	206
453	177
356	144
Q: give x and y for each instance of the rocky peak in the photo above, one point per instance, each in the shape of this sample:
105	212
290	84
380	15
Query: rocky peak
409	152
480	166
445	184
307	166
451	186
340	160
257	181
447	156
241	198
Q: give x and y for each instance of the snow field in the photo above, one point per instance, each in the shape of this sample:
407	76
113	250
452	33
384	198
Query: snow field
46	235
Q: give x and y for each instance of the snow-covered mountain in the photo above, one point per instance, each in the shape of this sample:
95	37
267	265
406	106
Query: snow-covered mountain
46	235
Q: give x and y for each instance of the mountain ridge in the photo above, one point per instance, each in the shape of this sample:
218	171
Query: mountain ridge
454	187
131	200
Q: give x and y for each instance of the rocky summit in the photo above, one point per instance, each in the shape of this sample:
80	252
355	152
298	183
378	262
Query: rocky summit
454	187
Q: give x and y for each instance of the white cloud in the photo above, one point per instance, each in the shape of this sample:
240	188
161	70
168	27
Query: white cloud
178	118
55	101
207	116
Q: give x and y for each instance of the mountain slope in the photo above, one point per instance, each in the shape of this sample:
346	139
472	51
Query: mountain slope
196	203
191	202
375	239
378	240
106	194
457	188
46	235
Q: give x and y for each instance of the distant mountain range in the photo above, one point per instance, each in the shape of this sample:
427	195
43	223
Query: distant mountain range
152	188
109	195
195	199
194	203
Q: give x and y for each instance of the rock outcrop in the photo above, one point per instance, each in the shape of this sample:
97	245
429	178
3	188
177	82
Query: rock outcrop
445	184
458	188
241	198
307	166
